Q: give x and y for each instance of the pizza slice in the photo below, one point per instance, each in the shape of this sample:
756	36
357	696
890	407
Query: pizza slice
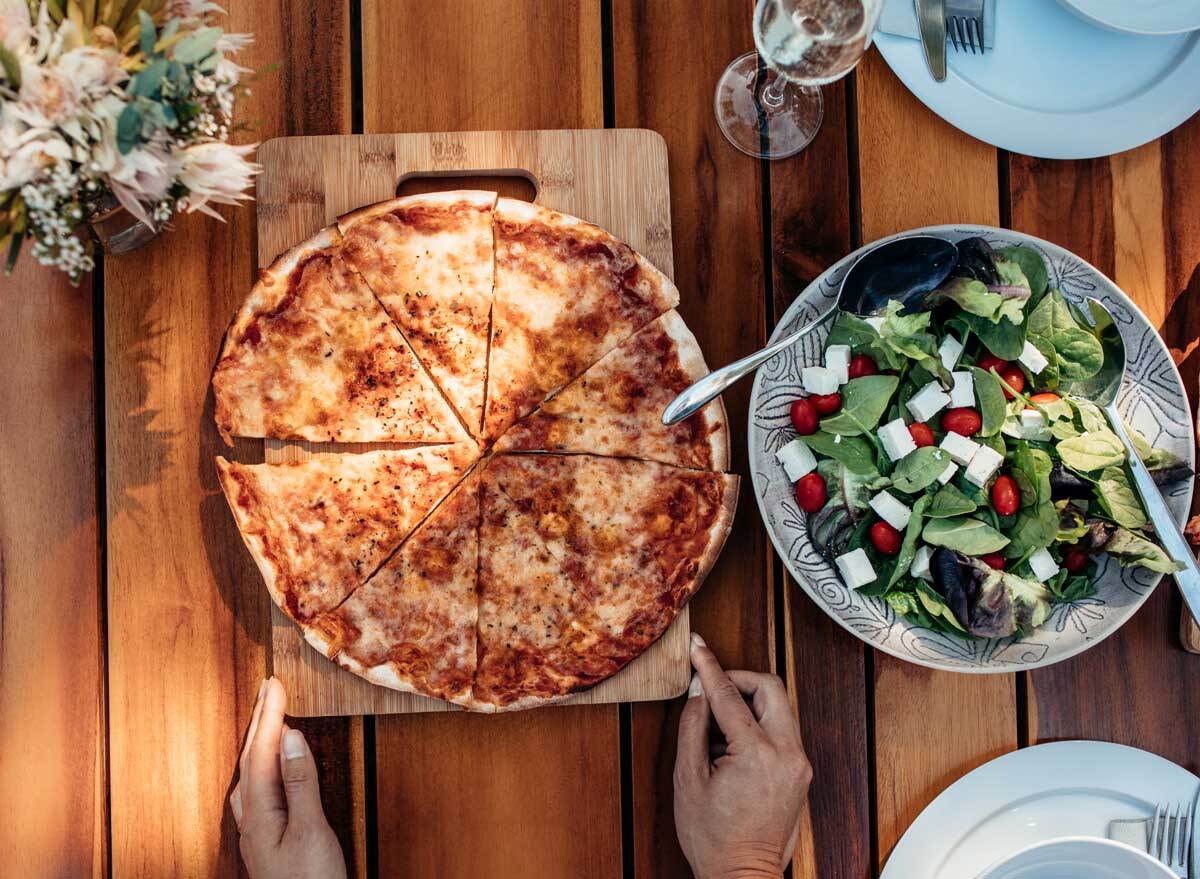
319	528
622	545
429	259
566	294
312	355
615	408
411	627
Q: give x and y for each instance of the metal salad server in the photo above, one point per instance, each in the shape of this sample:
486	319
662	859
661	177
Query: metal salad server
903	269
1102	389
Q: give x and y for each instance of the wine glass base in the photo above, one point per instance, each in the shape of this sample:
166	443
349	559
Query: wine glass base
756	125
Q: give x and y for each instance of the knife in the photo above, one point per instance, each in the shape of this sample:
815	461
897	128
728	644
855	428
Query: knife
931	19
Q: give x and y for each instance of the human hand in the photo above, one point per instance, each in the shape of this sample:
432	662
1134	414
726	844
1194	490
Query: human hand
737	803
277	801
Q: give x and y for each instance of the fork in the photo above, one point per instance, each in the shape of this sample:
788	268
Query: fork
964	25
1171	836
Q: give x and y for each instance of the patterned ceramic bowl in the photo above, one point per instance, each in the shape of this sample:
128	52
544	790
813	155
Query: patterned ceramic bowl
1152	399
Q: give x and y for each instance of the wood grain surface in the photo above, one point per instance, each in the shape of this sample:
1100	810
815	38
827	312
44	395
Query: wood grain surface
617	179
186	611
52	715
915	170
716	208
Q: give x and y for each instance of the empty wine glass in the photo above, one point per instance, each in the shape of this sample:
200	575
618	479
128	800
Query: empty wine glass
768	103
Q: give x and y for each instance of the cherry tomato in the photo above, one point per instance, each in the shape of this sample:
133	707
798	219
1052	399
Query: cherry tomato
804	416
1006	497
1045	398
994	560
1015	379
885	538
991	361
826	404
1075	558
962	421
921	433
862	365
810	492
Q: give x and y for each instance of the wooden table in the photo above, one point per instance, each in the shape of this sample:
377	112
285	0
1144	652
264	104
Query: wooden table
133	623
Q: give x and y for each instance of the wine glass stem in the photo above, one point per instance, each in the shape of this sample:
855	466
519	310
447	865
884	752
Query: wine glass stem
772	95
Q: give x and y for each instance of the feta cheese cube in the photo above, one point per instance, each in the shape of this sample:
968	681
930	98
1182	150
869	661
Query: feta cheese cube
963	393
855	568
1033	359
1043	565
837	361
949	351
948	473
984	463
797	459
928	402
959	447
891	510
1033	426
920	563
875	322
819	380
896	440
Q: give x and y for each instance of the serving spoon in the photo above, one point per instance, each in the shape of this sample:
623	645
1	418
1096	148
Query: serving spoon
1102	389
904	269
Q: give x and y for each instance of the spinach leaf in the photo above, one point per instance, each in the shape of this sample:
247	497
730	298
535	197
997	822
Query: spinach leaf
990	397
852	451
968	536
1004	339
1119	498
908	334
1154	459
1079	353
975	298
1094	450
1091	416
937	608
1032	266
918	470
903	603
1050	377
949	501
864	400
1036	528
1031	469
908	549
1071	587
995	442
1131	549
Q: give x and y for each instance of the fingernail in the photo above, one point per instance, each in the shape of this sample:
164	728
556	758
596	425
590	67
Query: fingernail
697	641
695	688
293	744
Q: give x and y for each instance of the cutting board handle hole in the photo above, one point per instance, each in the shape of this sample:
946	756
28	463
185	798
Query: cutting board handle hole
509	182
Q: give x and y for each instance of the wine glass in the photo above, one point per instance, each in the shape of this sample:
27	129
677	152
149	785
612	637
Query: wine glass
768	103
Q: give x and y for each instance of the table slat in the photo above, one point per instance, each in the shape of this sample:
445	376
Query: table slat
667	55
52	798
930	727
187	610
539	791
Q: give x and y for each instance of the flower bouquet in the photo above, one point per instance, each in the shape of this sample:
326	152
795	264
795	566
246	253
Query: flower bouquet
113	104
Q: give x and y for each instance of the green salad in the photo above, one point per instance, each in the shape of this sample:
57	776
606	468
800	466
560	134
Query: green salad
944	467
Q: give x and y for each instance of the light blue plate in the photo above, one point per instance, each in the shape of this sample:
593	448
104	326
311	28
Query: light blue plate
1056	86
1151	399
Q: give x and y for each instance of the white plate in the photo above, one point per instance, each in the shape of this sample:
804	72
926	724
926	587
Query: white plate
1140	16
1151	399
1033	795
1056	86
1071	857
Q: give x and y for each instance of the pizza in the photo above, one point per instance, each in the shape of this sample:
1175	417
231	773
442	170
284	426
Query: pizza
528	526
312	355
615	407
428	258
566	294
319	528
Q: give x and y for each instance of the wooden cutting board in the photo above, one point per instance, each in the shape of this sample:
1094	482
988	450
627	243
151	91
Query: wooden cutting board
614	178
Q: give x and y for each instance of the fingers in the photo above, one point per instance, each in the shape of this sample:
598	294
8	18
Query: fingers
235	798
723	697
769	702
691	755
300	785
261	784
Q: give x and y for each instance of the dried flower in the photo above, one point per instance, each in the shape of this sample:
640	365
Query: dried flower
215	172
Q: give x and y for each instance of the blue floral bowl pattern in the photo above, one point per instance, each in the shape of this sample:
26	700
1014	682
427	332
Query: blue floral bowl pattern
1152	399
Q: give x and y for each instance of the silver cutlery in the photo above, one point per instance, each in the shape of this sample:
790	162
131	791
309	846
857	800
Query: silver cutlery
964	25
1171	836
931	21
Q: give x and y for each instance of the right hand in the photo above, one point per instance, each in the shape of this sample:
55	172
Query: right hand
737	806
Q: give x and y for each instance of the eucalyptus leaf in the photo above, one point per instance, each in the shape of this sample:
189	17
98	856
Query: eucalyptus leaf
197	45
989	395
864	400
1123	505
129	128
1094	450
968	536
949	502
146	34
918	470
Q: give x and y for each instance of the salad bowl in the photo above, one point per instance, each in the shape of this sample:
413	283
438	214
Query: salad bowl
1151	400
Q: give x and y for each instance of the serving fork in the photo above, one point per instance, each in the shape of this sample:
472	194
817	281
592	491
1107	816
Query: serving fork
1171	836
964	25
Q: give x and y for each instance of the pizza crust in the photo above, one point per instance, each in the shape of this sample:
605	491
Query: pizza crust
239	504
472	197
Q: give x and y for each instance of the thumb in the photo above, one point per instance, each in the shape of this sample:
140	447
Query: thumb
691	754
300	786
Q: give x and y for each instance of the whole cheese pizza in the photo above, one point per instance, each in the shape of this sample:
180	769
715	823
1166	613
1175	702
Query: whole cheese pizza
529	526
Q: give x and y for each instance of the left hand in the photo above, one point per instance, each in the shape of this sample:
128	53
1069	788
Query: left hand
277	800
